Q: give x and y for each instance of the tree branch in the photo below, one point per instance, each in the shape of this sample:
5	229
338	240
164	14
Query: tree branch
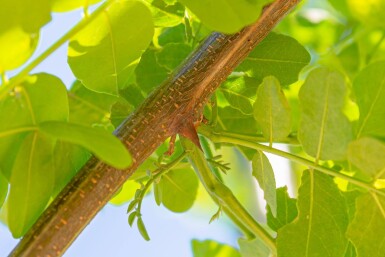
170	108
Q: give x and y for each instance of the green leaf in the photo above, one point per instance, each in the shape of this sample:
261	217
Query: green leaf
126	194
166	14
89	107
368	155
104	145
210	248
24	108
324	130
277	55
240	92
286	210
68	159
131	218
370	13
319	229
31	182
367	230
69	5
272	111
176	34
149	73
369	90
227	16
264	174
233	120
253	248
20	22
173	55
142	229
350	251
178	189
3	188
101	54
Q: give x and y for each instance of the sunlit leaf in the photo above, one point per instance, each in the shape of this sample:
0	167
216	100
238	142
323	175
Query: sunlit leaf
3	188
166	13
264	174
126	194
272	111
104	145
89	107
367	230
369	12
286	210
253	248
240	92
178	189
68	159
233	120
68	5
172	55
226	16
25	108
369	90
319	229
100	55
324	130
368	154
277	55
31	182
20	22
209	248
174	34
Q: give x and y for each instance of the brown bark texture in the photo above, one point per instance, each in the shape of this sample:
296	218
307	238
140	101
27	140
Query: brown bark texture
170	109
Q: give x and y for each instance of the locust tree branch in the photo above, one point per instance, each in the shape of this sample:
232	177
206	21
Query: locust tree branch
170	109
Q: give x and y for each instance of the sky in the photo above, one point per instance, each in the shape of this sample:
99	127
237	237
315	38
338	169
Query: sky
109	233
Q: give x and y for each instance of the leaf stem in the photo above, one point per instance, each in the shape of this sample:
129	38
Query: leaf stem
223	196
72	32
236	139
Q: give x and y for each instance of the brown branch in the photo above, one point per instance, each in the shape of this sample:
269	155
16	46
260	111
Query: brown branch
172	107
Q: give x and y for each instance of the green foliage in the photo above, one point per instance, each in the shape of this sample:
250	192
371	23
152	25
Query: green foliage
209	248
264	174
272	111
368	155
253	247
31	182
102	54
101	143
20	22
334	113
277	55
369	90
319	229
177	189
367	230
226	16
324	130
286	210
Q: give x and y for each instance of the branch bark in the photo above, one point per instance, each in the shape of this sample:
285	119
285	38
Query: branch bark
169	110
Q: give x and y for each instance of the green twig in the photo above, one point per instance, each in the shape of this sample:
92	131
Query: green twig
236	139
223	196
72	32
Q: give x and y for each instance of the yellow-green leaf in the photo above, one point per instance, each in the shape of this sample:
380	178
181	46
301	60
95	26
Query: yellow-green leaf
272	111
100	55
324	130
98	141
319	229
31	182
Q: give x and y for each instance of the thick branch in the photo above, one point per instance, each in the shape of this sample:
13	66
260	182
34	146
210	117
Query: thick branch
175	103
